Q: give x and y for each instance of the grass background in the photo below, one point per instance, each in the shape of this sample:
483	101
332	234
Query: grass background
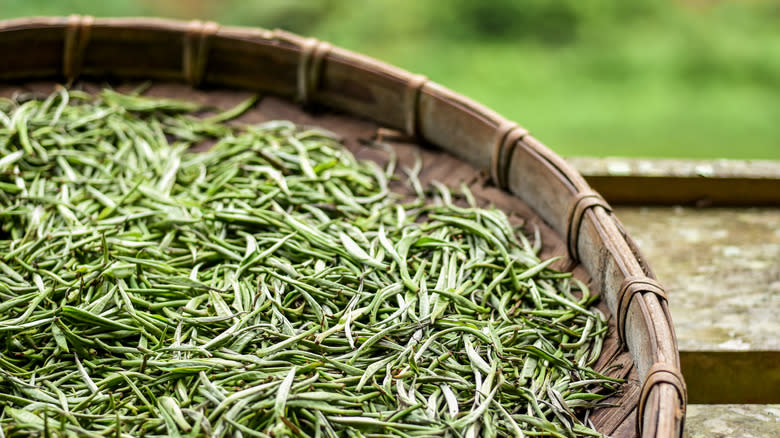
653	78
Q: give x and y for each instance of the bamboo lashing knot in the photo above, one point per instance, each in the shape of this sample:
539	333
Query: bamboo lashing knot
507	135
630	287
77	32
196	50
579	205
313	53
662	373
510	142
412	104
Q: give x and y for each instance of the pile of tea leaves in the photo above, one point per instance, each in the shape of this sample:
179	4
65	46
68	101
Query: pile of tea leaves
271	286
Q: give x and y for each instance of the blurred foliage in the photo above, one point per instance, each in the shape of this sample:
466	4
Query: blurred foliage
676	78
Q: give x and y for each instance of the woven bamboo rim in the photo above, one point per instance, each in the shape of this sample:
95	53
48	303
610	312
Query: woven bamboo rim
314	72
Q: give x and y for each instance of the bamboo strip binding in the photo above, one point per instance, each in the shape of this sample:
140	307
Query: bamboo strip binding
579	205
632	286
196	50
661	373
77	33
411	106
507	136
313	54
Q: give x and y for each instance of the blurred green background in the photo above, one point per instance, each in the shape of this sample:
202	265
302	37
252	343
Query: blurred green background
655	78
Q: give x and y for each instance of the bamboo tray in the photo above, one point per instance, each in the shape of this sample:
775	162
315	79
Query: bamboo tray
312	82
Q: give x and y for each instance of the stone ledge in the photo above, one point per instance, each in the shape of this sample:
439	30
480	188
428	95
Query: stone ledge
686	182
618	166
721	421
